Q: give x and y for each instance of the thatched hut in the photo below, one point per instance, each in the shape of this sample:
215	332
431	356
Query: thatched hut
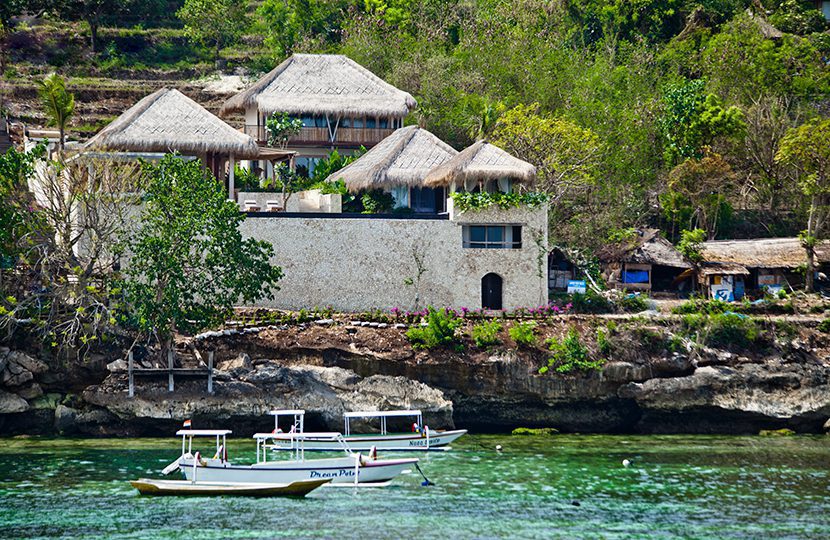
646	262
399	165
767	262
168	121
481	166
341	104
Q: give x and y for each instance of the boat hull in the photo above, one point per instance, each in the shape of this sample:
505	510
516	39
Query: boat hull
337	470
147	486
397	442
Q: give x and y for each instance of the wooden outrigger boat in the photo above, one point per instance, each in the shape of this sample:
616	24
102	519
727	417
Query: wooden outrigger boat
147	486
421	438
351	469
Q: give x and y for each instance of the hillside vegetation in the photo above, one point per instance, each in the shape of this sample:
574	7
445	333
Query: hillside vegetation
668	113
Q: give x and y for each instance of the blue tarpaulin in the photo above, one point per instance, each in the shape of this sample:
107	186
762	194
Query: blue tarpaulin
635	276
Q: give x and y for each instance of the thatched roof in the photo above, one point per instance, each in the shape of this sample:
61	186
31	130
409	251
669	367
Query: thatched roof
330	84
763	252
403	158
722	269
480	162
168	121
647	247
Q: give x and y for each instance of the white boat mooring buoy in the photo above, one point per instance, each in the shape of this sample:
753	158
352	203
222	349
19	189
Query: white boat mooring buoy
626	463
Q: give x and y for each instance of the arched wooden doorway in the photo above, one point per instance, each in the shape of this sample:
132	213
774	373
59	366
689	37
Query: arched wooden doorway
491	286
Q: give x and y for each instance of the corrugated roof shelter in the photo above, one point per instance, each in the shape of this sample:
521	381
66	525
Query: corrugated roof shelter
481	162
786	253
404	158
324	84
169	121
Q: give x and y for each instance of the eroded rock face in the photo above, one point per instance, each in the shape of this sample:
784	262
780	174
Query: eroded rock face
242	402
11	403
771	393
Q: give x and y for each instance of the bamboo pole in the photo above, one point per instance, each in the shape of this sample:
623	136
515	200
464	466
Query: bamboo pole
131	391
210	372
170	372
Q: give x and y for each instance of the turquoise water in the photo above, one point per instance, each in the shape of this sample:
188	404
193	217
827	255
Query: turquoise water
677	487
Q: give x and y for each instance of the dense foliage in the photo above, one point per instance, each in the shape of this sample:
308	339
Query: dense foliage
188	263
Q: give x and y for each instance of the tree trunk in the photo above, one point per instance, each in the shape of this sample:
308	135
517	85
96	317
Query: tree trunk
93	35
809	285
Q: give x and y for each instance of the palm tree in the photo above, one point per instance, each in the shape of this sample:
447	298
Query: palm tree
59	104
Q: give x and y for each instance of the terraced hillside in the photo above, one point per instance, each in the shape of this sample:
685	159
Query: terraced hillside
134	63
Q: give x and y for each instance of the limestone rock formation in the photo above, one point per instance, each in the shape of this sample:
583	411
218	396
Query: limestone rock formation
241	402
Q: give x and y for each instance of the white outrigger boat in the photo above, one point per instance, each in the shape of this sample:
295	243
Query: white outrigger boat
352	469
420	438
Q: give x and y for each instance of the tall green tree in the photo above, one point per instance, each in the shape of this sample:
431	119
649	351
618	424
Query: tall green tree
214	23
188	263
693	120
58	103
807	148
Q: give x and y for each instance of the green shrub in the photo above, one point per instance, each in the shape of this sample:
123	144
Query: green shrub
569	354
590	302
731	330
703	306
439	331
377	202
824	326
523	333
486	333
653	341
632	303
603	341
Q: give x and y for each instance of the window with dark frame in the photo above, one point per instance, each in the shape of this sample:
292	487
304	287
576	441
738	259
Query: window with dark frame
492	236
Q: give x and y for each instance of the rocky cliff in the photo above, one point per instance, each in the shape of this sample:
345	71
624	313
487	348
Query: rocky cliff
651	381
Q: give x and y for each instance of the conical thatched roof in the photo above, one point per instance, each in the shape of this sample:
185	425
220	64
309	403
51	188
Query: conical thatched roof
480	162
403	158
322	84
167	121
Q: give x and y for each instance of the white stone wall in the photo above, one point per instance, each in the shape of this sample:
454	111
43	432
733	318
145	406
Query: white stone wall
355	264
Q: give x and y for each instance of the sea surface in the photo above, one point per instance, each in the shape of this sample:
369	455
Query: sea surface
566	486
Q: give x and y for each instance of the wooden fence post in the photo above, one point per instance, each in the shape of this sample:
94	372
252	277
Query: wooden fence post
131	391
210	372
170	373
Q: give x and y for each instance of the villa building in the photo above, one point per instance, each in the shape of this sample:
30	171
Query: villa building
341	104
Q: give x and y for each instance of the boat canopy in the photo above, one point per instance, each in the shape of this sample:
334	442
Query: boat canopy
287	412
376	414
204	432
316	436
383	415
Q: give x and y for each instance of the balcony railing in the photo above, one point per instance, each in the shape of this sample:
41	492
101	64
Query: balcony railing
314	136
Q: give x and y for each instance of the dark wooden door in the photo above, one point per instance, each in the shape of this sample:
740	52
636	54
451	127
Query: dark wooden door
491	285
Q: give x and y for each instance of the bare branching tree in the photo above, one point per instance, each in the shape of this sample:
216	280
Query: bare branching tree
60	288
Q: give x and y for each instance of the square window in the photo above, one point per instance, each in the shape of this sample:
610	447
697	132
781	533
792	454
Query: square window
371	123
384	123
